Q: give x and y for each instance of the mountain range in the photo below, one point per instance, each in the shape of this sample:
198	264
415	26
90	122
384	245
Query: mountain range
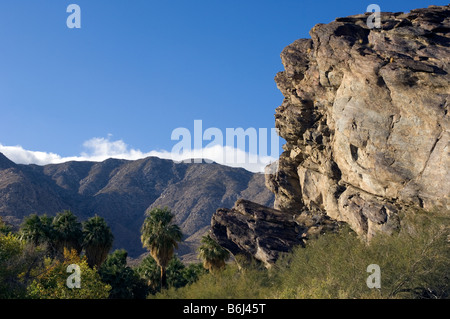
121	191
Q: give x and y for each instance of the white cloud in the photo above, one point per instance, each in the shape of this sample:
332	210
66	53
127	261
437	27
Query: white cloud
229	156
99	149
19	155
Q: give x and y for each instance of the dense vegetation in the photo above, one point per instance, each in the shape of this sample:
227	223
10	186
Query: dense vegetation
414	263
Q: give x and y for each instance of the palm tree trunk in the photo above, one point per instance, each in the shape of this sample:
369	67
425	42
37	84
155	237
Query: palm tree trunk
163	278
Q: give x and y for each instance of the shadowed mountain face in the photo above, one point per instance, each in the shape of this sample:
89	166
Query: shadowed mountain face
121	191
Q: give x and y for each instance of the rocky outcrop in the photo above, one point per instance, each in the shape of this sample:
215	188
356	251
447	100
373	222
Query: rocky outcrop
254	230
365	119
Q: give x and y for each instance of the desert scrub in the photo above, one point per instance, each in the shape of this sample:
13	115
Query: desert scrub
333	266
230	283
414	263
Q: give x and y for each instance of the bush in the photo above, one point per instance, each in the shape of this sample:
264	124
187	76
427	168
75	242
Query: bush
11	250
52	283
19	264
414	263
230	283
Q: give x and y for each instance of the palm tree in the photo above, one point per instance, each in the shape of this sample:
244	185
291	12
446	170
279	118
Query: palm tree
39	230
212	254
97	240
31	229
49	233
68	232
160	236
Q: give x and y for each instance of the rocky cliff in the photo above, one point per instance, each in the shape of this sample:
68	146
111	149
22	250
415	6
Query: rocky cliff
366	124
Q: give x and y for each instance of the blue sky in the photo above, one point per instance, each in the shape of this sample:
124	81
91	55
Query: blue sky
136	70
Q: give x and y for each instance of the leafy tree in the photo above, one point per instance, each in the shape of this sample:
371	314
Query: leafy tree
10	251
212	254
124	281
52	283
68	232
97	240
160	236
20	261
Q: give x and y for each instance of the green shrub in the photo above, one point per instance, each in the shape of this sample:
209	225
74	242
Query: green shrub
11	266
414	263
230	283
52	282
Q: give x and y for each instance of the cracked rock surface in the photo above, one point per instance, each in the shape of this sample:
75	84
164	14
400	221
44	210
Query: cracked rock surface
365	119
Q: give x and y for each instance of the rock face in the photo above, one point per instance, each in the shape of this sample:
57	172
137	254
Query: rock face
365	118
121	191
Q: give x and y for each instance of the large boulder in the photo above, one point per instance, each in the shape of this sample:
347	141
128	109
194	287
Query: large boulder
365	117
263	233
